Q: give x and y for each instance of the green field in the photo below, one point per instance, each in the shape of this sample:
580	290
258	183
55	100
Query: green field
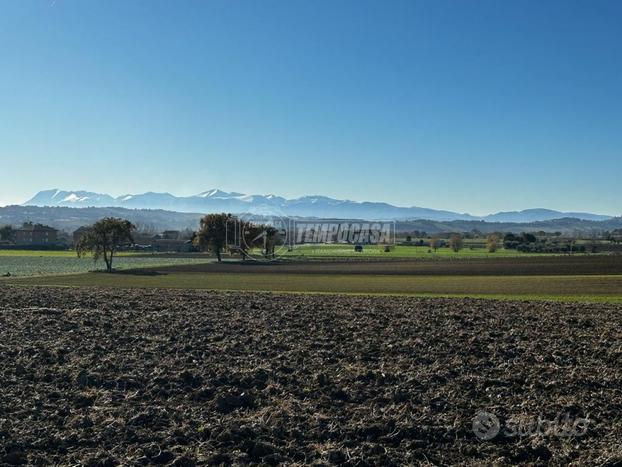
22	263
56	253
605	288
38	263
473	273
398	251
38	253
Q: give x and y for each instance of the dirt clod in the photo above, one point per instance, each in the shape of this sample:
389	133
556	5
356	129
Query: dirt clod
106	377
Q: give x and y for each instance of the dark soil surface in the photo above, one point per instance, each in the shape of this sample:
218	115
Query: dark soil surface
531	265
100	377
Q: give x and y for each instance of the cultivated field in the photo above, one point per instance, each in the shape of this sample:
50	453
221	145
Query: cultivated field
101	376
492	266
579	278
44	263
398	251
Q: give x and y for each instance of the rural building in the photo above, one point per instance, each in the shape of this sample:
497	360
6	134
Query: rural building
143	238
35	235
180	246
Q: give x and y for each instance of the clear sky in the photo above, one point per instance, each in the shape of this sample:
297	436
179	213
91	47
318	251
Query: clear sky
474	106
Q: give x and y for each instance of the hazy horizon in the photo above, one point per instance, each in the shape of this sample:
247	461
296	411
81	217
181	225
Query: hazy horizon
474	108
456	210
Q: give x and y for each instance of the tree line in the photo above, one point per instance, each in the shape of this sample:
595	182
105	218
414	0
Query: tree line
105	237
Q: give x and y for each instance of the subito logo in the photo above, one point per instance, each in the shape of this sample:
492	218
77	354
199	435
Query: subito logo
486	426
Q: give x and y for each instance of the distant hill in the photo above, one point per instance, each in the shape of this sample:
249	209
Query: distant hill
536	215
564	225
307	206
69	219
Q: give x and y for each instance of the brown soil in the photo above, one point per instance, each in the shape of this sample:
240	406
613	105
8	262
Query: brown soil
103	376
544	265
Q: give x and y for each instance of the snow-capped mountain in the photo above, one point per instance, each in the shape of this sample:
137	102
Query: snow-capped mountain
307	206
70	198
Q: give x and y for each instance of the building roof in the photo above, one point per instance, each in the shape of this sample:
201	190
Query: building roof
36	227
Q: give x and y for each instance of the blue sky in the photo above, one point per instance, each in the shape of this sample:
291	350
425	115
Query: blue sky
473	106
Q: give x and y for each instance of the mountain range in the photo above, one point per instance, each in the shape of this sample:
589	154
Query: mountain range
307	206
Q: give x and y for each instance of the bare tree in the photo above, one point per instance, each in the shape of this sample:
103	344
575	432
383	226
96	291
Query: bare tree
492	242
455	242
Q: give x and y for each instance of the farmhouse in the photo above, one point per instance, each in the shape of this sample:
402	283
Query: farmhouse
172	241
143	238
171	235
35	235
180	246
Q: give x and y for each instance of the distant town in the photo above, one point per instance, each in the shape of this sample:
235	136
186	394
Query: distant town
38	236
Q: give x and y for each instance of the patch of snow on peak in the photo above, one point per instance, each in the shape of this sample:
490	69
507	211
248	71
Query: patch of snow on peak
73	198
213	193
